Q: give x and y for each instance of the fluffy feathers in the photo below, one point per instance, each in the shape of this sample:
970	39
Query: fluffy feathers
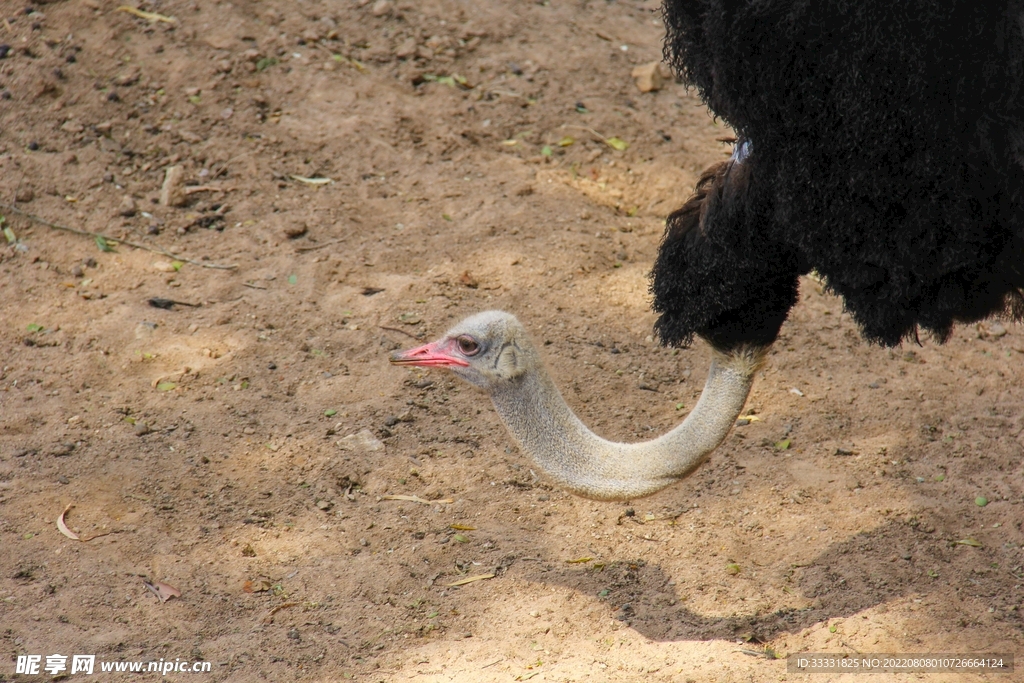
887	145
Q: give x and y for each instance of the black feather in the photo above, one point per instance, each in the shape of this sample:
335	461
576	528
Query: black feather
887	153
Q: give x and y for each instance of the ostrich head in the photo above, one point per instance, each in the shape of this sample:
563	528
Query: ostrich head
489	350
492	351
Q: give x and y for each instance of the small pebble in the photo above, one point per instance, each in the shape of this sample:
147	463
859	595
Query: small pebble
271	366
363	542
63	480
295	230
90	262
4	51
63	449
382	8
172	193
141	429
294	634
649	77
391	421
24	194
128	208
406	49
33	146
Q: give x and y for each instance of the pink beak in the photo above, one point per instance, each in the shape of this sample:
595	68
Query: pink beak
434	353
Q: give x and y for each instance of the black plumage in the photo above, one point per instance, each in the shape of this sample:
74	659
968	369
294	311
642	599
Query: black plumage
885	151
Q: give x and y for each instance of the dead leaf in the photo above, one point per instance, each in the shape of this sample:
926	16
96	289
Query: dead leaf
471	579
311	181
163	591
461	527
64	527
417	499
269	619
148	16
260	586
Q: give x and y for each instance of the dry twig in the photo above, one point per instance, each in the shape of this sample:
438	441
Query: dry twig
108	238
314	247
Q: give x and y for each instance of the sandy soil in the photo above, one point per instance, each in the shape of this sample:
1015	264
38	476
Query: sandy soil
243	448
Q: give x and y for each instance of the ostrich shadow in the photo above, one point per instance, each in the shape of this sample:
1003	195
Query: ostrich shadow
865	570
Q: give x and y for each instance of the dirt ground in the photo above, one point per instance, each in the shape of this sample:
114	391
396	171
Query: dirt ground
242	448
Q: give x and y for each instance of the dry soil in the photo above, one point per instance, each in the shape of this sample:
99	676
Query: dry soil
245	445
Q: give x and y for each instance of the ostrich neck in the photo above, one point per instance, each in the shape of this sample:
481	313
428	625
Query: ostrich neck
539	419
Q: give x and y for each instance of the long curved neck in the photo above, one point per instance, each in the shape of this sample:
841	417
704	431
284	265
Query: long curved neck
545	427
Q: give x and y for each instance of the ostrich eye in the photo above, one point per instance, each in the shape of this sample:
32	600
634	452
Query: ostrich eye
468	345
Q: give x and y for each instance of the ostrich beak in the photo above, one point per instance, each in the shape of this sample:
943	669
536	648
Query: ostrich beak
434	353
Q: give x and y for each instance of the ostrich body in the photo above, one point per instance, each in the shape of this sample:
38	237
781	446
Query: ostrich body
492	351
881	145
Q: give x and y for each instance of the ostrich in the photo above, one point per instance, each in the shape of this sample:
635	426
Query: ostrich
880	144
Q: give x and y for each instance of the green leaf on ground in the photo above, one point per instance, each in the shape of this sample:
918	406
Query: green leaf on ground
617	144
